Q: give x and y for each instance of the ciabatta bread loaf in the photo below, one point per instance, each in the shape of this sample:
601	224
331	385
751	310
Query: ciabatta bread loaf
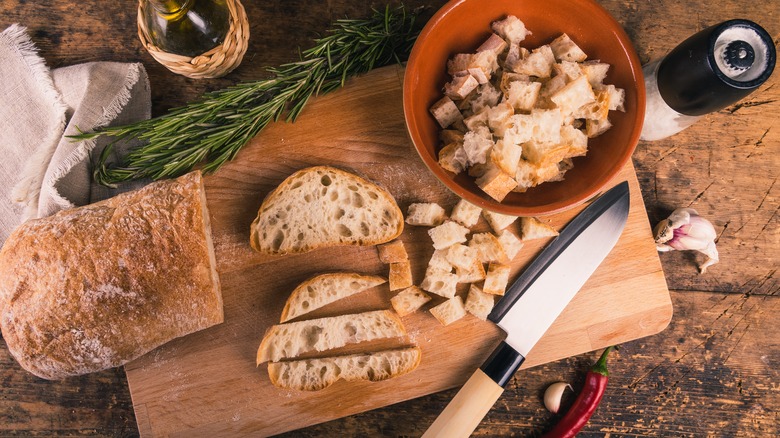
296	338
323	206
316	374
325	289
94	287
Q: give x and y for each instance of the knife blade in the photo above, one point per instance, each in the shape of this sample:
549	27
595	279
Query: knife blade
533	302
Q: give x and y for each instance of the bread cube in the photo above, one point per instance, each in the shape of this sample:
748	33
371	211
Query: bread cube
461	256
392	252
549	88
482	66
448	234
400	275
522	95
459	64
460	87
471	274
443	284
496	183
547	125
594	128
511	29
515	54
496	279
532	228
428	214
565	49
575	139
486	96
439	263
505	155
465	213
494	44
488	248
510	244
498	221
531	175
499	118
476	144
617	97
595	71
479	303
521	129
544	154
573	95
453	158
409	300
569	70
507	77
449	311
476	121
446	112
538	63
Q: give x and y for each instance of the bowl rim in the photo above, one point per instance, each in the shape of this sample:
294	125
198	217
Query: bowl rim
413	128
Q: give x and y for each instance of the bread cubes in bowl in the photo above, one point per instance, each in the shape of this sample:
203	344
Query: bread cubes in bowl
498	145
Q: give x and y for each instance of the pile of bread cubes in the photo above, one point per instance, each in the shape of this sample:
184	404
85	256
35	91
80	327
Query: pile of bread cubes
458	259
514	118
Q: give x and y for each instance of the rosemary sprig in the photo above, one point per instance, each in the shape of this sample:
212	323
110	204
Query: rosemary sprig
212	129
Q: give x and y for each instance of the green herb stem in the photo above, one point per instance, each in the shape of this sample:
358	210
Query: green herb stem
211	130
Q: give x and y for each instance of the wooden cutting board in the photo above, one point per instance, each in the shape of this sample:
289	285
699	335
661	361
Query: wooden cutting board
206	384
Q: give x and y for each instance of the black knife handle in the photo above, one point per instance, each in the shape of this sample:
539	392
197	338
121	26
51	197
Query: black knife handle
502	364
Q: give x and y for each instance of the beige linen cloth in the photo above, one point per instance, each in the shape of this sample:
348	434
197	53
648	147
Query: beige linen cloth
42	171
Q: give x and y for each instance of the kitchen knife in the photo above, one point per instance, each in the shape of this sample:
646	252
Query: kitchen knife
532	303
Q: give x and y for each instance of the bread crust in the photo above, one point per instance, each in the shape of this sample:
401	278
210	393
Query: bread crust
94	287
320	373
286	191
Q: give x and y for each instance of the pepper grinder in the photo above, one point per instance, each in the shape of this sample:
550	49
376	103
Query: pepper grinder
711	70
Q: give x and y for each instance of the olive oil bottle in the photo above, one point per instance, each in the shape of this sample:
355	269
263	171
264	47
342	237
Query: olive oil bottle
186	27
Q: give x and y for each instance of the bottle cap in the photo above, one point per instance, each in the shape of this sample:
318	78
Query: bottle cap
716	67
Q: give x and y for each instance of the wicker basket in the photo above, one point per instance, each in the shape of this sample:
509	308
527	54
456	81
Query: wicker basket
215	63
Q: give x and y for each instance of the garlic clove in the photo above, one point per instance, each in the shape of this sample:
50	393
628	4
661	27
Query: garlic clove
685	230
553	395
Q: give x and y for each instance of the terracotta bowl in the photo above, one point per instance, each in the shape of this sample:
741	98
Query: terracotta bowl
461	26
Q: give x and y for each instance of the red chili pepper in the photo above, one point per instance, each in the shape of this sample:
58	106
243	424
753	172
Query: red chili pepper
586	403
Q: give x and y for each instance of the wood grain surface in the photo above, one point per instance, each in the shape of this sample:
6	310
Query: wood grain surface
712	372
207	383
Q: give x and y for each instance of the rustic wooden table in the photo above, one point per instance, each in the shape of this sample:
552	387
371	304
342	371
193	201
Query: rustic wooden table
713	371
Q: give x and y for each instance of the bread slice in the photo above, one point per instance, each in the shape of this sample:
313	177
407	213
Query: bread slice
409	300
324	289
316	374
296	338
323	206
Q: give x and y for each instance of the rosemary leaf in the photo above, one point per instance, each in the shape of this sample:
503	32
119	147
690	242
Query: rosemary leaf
211	130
